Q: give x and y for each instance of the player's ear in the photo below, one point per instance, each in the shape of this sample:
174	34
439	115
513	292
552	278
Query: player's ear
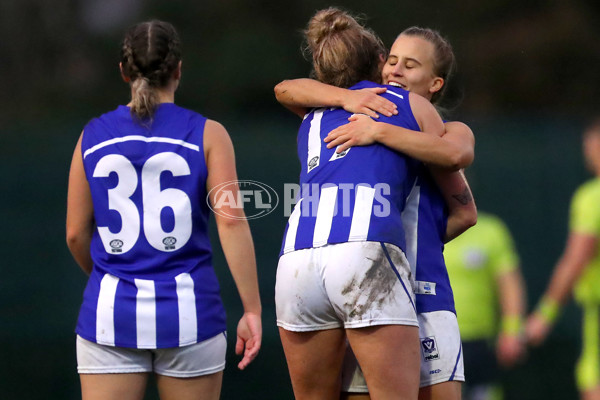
177	72
382	59
125	78
436	85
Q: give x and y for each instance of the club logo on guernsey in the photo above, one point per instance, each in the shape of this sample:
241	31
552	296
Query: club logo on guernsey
169	243
429	349
313	163
116	245
255	198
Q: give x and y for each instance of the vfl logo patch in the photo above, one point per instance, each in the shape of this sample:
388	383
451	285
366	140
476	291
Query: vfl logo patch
169	243
429	349
115	245
313	163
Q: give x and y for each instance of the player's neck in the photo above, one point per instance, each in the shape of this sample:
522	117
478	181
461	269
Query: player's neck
165	96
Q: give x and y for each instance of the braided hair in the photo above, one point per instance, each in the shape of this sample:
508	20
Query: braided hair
150	53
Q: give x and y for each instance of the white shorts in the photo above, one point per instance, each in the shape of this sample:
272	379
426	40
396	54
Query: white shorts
204	358
349	285
441	354
441	348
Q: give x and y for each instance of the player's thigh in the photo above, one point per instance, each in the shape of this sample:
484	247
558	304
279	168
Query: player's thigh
314	361
355	396
205	387
441	349
191	372
301	301
389	358
108	372
119	386
203	358
441	391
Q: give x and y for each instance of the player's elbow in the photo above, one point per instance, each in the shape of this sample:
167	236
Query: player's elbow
281	89
74	239
234	220
466	158
458	159
468	219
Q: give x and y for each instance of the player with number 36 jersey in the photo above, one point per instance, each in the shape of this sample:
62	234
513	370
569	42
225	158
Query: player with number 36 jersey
138	204
149	209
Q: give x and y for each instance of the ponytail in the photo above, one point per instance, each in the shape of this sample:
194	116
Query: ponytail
149	55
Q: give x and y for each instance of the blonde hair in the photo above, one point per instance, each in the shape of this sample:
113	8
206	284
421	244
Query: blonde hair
343	51
150	53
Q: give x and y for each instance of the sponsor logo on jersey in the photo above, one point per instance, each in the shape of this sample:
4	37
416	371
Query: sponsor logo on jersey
257	199
435	371
429	349
116	245
423	287
337	156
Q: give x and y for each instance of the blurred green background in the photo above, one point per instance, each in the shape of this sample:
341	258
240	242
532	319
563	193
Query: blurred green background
527	83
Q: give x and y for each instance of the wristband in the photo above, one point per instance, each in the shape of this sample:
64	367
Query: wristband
511	325
548	309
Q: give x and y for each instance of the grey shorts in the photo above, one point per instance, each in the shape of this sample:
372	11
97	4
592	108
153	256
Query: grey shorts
204	358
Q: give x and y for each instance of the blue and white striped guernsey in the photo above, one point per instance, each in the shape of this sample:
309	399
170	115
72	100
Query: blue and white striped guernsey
425	218
153	284
357	195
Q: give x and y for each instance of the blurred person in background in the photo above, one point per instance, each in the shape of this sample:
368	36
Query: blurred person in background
420	61
578	271
137	224
490	303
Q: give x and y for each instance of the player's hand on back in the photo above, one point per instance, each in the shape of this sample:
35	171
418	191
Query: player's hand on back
368	101
360	131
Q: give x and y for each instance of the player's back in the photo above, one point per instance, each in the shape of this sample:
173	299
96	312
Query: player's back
356	195
148	186
151	251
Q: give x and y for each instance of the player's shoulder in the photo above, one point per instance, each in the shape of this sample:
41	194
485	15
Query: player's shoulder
391	90
183	115
365	85
589	188
104	126
215	134
588	191
108	117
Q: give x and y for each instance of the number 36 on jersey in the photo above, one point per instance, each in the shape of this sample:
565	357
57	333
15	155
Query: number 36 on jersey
154	200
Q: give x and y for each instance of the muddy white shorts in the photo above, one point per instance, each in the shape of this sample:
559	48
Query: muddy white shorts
204	358
441	354
349	285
